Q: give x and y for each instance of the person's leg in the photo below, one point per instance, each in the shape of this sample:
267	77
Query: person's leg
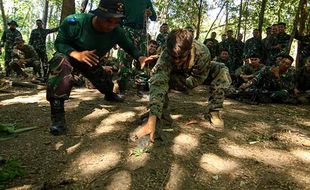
101	79
7	59
59	86
219	81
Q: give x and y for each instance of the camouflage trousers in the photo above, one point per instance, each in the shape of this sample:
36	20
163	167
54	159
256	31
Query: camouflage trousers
15	66
60	79
218	81
7	60
43	57
139	38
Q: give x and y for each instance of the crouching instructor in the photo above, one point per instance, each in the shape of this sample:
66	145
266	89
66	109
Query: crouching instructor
82	41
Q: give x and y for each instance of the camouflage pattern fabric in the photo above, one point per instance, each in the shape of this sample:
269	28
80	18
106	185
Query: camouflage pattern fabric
8	39
253	46
161	39
59	84
230	44
199	68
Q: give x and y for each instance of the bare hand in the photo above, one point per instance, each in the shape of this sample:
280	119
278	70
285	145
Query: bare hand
88	57
296	91
148	129
244	86
144	59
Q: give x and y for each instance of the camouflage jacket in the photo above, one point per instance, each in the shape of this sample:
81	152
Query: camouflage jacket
248	69
266	80
8	38
195	71
231	46
38	37
253	46
214	49
304	45
303	79
28	52
283	39
162	38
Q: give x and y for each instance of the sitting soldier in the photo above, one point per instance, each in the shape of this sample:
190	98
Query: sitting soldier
249	70
24	55
302	89
142	78
273	84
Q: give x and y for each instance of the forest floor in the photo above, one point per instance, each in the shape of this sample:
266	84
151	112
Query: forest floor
261	146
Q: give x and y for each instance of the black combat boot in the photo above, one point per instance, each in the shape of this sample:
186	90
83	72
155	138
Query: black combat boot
113	97
58	126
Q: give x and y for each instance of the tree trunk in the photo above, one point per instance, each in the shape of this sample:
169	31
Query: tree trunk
199	19
226	19
261	17
3	16
45	14
68	8
240	17
246	18
83	6
300	4
279	11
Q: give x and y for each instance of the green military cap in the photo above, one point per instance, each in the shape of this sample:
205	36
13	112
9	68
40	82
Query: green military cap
13	22
109	9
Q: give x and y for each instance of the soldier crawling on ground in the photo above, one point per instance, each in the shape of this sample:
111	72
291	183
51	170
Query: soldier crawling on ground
183	65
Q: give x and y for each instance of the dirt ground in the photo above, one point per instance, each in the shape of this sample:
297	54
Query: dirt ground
260	147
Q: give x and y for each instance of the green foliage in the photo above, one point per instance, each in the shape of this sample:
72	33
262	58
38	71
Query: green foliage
9	171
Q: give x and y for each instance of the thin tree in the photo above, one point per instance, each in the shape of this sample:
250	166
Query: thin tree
261	16
199	19
246	17
68	8
240	17
218	14
3	15
45	13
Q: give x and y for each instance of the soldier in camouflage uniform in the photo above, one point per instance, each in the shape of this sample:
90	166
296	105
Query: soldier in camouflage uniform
137	13
230	44
279	43
247	71
7	40
254	45
143	77
270	46
275	83
24	55
81	43
303	83
213	45
265	42
161	38
38	41
184	64
240	48
304	47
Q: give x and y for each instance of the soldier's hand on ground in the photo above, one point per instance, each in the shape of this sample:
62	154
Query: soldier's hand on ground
88	57
148	129
296	91
143	60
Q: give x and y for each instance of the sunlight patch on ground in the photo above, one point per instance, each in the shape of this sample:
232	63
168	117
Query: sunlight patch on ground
85	94
96	114
302	155
184	143
135	162
216	165
176	177
302	177
24	187
120	181
306	123
28	99
176	116
111	123
72	149
275	158
58	145
91	162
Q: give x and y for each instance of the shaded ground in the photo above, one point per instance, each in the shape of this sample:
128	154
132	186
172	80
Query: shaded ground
261	146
